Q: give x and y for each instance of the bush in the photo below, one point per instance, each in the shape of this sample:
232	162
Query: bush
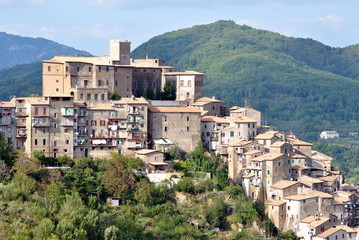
185	185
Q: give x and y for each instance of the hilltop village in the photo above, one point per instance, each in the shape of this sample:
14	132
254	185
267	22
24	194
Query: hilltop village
76	117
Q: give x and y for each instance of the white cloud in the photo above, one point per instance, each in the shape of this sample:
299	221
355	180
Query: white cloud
331	19
47	32
17	29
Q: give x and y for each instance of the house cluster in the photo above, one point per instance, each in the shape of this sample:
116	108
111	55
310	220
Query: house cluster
75	117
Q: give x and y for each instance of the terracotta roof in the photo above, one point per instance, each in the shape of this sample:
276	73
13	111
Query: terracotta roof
298	156
37	101
329	178
320	156
250	175
278	144
224	129
146	151
341	200
207	100
184	73
276	202
300	143
322	194
214	119
243	119
299	197
266	135
174	109
102	106
282	184
238	143
346	228
310	179
318	222
251	152
346	193
328	232
308	219
7	105
131	101
268	156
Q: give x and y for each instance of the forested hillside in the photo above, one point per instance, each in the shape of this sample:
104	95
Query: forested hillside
299	84
18	50
21	81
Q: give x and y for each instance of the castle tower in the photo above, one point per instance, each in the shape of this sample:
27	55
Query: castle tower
120	51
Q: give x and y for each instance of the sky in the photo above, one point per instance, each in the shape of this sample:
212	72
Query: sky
90	24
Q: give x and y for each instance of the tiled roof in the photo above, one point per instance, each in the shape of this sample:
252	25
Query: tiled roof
346	228
243	119
7	105
214	119
268	156
207	99
276	202
310	179
238	143
300	197
266	135
146	151
102	106
301	143
328	232
131	101
329	178
282	184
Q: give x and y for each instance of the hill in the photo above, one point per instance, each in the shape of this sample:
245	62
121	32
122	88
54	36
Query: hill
21	81
18	50
299	84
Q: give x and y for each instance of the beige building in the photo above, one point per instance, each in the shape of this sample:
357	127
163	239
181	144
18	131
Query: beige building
189	85
246	112
210	106
152	160
277	211
179	124
95	79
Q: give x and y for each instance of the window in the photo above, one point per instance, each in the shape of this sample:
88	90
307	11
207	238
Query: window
36	111
300	160
187	129
99	69
102	96
57	89
65	150
232	133
67	141
44	142
88	96
107	69
288	208
67	130
96	97
279	163
187	119
208	134
189	83
107	83
35	141
67	69
49	68
288	161
93	122
165	129
55	143
268	172
78	69
55	125
292	160
102	122
44	131
99	82
90	69
182	82
116	83
57	80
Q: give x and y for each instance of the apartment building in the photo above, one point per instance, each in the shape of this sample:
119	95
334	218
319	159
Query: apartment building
8	122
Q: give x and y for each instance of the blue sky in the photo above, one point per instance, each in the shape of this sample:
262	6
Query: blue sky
89	24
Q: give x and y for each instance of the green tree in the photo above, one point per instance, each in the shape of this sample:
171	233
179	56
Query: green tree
44	229
169	92
149	93
118	179
216	213
115	96
7	152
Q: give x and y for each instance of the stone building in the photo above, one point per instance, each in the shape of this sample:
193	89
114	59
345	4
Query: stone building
8	122
181	125
189	85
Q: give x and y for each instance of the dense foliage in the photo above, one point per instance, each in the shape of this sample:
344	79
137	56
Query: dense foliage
299	84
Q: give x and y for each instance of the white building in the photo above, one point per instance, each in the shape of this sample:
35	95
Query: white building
329	134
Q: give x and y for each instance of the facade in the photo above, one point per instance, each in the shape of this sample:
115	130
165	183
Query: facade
181	125
189	85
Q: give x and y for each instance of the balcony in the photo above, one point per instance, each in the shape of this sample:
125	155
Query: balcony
21	134
21	114
102	142
67	112
41	122
67	123
135	145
